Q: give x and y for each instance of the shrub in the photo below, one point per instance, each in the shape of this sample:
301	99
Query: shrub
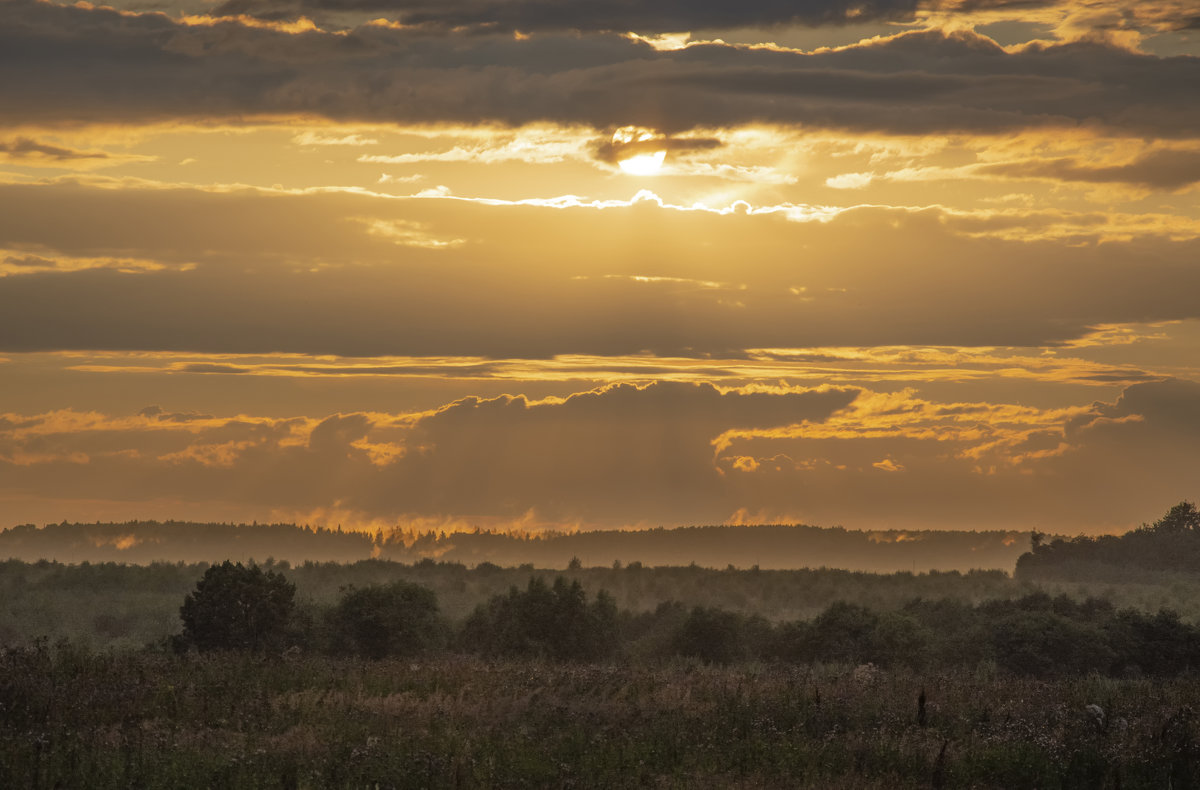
237	608
554	622
721	637
399	619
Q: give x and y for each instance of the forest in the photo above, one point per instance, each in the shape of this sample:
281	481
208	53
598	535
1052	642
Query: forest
1170	545
238	608
769	546
436	674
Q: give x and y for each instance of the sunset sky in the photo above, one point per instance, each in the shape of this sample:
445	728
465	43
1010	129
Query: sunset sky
600	263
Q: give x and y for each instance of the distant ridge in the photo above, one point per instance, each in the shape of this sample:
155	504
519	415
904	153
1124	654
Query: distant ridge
768	546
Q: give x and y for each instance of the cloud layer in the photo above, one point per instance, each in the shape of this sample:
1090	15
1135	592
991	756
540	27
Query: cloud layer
250	272
75	64
600	15
661	453
888	263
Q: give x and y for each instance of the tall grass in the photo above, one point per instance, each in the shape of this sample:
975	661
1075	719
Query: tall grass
73	718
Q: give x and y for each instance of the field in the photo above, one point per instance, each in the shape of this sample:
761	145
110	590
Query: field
74	719
817	679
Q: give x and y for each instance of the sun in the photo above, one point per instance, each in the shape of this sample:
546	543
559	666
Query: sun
646	164
637	150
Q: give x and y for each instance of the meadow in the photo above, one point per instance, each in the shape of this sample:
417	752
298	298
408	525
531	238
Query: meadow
383	674
74	718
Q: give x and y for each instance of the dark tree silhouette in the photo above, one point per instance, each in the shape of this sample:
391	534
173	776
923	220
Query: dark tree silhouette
717	636
552	621
394	620
1172	543
1183	517
237	608
846	632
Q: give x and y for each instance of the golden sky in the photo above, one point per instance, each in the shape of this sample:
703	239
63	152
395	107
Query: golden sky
550	264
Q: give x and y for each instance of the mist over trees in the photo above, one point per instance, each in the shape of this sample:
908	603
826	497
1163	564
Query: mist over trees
235	608
555	621
266	674
144	542
768	546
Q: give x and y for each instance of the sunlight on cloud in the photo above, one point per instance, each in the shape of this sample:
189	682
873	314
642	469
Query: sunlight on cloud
530	145
643	164
849	181
311	137
38	260
408	234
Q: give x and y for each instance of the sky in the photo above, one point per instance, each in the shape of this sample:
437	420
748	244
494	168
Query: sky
551	264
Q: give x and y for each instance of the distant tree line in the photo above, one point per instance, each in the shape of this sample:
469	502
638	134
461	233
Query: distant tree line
145	542
238	608
122	607
1170	544
768	545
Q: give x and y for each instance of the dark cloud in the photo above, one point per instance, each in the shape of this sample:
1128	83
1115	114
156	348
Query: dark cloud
81	64
1105	470
335	434
1169	406
612	150
25	147
1164	169
622	452
627	454
30	262
212	367
1127	377
643	16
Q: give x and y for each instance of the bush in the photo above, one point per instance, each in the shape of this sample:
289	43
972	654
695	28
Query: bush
1045	643
721	637
237	608
554	622
399	619
846	632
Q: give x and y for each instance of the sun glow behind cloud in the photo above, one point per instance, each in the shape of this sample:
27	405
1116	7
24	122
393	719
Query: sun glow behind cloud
643	164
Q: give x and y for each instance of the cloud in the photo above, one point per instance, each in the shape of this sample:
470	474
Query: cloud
25	148
82	64
624	454
849	180
606	454
1165	169
1086	468
408	234
530	144
596	15
631	140
304	273
1162	169
1157	408
848	366
1069	18
39	259
311	137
